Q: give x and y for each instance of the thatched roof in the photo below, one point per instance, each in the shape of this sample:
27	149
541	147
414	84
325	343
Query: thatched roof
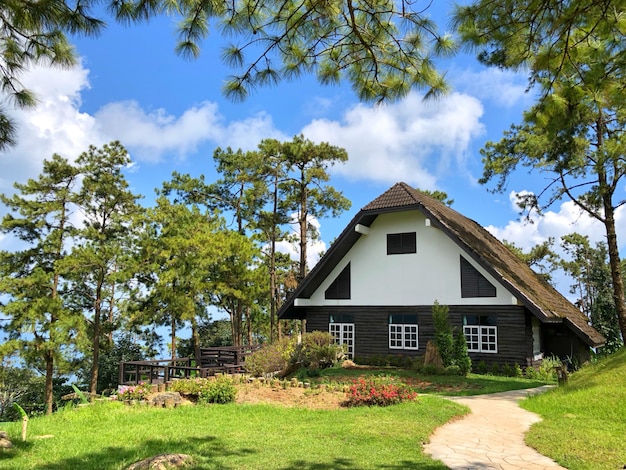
545	302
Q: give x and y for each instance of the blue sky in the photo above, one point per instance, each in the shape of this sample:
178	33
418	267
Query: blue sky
170	114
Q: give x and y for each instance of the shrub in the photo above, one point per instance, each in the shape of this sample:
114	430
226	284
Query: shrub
443	333
495	369
269	359
518	371
191	387
481	368
453	370
460	356
317	350
378	391
547	369
221	390
134	392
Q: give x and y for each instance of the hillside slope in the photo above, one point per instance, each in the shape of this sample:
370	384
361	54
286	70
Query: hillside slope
584	422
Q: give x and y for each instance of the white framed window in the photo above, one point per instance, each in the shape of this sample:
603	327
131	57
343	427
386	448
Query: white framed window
403	332
481	333
342	328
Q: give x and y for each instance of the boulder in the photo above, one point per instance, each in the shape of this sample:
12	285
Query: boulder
166	399
5	442
162	462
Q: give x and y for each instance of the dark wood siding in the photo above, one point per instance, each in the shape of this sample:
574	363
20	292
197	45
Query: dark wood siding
340	288
372	334
474	284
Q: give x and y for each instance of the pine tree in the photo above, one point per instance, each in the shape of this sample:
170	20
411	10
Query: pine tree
41	327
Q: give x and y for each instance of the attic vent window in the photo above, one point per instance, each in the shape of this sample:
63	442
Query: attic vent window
340	288
473	283
401	243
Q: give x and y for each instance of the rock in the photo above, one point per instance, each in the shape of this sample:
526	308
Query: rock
432	356
5	442
166	399
162	462
348	364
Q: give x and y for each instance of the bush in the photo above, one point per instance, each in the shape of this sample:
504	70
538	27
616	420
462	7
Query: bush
221	390
211	390
461	358
378	391
134	392
547	369
443	333
317	350
390	360
453	370
270	359
481	368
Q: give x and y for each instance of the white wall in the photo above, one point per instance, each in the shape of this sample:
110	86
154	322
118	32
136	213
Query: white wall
433	273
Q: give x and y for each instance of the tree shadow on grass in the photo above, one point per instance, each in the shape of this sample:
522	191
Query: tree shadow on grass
202	449
339	463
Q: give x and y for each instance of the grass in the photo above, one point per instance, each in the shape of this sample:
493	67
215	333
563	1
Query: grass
447	385
112	436
584	422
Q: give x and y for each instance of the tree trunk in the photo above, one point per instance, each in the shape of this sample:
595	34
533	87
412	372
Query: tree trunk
93	386
614	262
195	340
248	325
173	338
49	358
273	262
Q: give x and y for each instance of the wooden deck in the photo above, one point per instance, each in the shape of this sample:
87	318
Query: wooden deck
225	359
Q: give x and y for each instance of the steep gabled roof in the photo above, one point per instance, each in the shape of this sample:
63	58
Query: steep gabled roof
545	302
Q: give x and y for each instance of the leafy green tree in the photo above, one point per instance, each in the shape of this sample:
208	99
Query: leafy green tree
124	347
305	190
439	195
177	251
99	263
41	327
460	354
384	48
32	33
590	271
444	339
574	133
541	257
236	280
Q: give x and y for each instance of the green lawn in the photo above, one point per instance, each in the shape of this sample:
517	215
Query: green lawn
455	385
112	436
584	422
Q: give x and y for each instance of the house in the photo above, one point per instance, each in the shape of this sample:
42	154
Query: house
375	287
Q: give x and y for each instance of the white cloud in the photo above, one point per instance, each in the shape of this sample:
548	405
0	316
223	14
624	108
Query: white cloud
504	88
415	141
54	126
57	125
314	250
566	218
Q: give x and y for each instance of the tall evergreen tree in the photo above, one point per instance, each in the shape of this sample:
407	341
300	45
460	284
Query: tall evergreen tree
305	190
99	264
588	266
574	52
41	328
383	49
177	251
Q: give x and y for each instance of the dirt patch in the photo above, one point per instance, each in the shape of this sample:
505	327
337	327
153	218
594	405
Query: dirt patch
312	398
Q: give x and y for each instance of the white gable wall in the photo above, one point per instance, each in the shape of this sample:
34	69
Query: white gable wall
433	273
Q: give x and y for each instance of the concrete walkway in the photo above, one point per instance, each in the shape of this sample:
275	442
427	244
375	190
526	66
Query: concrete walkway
491	436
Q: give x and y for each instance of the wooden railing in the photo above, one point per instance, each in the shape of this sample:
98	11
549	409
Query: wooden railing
225	359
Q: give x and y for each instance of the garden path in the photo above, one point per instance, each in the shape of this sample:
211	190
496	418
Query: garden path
491	437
